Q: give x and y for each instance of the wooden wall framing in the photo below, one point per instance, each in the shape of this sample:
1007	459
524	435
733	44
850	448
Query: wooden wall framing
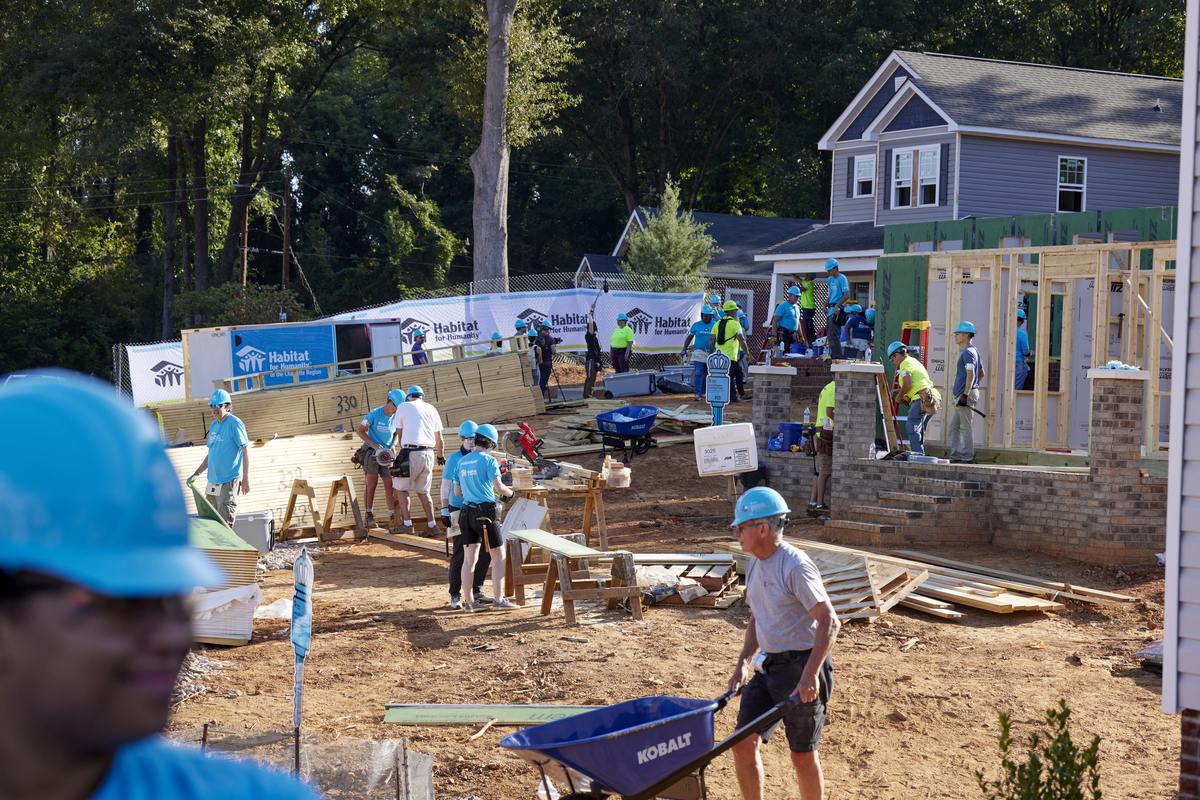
1055	270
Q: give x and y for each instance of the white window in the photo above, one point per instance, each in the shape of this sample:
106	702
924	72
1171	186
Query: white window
864	176
1072	183
903	179
927	190
921	189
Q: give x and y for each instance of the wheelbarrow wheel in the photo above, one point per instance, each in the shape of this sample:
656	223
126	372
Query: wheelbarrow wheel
608	395
579	796
642	444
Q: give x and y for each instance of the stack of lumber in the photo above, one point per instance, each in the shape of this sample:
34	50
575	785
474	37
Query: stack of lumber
674	425
573	477
275	464
716	573
946	583
481	389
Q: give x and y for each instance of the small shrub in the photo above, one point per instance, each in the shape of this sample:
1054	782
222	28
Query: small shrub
1055	770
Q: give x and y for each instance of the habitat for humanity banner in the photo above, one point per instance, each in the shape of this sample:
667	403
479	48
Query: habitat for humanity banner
155	372
660	320
286	348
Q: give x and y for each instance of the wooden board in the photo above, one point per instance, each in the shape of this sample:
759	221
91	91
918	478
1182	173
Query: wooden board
447	714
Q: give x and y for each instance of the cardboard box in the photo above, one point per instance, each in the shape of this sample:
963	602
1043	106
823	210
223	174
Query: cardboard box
726	449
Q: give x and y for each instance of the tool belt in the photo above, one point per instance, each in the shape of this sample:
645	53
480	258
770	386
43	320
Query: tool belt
399	468
931	403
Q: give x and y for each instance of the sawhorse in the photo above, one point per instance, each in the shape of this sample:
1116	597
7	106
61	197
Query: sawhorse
567	572
323	527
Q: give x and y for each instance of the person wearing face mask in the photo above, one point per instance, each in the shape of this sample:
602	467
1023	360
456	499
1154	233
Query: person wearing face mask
94	623
451	516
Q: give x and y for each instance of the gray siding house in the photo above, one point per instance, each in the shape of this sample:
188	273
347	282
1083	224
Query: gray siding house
933	137
1181	605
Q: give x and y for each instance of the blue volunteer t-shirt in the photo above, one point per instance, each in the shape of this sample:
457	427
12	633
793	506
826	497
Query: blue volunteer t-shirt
1022	345
838	286
225	442
450	473
152	769
476	472
789	315
970	363
701	331
857	328
381	428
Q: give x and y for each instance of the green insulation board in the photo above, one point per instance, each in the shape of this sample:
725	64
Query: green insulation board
443	714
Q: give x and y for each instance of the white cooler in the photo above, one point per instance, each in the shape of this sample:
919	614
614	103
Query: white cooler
630	384
256	528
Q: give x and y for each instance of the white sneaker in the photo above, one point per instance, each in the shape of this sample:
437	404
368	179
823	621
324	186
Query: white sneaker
504	604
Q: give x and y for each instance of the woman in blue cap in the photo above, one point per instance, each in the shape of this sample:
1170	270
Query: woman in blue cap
94	623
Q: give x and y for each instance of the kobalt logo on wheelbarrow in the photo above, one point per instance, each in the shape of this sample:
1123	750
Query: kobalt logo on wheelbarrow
662	748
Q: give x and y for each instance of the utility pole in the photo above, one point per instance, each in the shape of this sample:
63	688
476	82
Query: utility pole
287	222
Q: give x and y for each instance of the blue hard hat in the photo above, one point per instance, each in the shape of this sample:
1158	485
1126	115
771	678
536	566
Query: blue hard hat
739	305
716	298
622	318
219	398
414	391
417	332
870	315
396	397
855	308
546	324
467	429
521	324
1020	313
759	502
965	327
497	335
894	346
794	290
830	263
124	536
706	311
488	432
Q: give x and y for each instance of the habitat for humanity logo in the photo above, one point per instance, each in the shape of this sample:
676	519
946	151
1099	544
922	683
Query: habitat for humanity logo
640	321
167	374
534	318
251	359
409	325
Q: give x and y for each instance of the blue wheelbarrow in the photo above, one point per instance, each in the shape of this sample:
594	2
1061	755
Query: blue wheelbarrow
628	424
636	750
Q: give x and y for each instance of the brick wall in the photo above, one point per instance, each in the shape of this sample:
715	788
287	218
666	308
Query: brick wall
1189	755
1107	515
788	473
811	376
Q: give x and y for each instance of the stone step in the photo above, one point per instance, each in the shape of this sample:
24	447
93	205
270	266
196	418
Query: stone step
884	515
874	528
945	487
912	500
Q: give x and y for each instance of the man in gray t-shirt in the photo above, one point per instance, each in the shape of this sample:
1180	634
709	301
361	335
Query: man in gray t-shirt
793	622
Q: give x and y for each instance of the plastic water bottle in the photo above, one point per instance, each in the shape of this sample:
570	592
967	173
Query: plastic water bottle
806	415
871	451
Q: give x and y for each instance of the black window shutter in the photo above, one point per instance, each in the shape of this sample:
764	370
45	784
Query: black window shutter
850	176
943	176
886	189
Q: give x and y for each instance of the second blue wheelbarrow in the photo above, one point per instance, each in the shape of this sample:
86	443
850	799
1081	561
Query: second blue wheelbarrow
636	750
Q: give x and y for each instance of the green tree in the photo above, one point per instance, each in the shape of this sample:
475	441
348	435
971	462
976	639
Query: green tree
673	244
1054	770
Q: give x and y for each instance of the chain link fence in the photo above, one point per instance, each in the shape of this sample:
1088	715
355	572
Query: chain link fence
752	293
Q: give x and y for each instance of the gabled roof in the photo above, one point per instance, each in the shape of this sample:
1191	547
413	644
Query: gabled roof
839	237
1006	98
740	238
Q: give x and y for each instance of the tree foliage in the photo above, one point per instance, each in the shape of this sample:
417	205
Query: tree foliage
673	244
1054	770
375	105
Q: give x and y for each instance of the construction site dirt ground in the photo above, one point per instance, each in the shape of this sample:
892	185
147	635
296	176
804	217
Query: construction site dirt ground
905	724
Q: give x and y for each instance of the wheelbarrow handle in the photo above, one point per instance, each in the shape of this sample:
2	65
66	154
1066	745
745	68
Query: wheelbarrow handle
756	725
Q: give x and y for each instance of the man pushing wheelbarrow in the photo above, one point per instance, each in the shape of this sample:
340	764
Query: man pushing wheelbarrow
661	746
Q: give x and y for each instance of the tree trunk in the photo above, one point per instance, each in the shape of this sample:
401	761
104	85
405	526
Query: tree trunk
629	184
490	162
185	223
197	154
239	206
169	225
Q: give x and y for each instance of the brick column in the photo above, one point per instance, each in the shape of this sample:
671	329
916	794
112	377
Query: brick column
1115	430
856	407
772	402
1189	755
